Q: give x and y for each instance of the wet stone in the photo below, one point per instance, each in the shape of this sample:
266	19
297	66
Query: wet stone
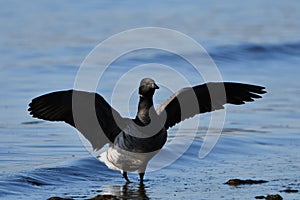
270	197
274	197
236	182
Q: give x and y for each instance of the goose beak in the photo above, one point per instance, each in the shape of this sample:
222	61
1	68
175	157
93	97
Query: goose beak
154	86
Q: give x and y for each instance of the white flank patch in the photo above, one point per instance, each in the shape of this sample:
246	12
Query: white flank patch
121	160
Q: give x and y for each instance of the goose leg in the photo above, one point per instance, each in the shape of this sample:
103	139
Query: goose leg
126	177
142	177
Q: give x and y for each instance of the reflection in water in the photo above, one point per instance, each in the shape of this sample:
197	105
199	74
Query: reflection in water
128	191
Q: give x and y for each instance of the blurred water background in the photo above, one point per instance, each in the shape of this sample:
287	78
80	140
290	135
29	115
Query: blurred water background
43	43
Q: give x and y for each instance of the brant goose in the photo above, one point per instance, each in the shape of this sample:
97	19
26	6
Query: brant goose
133	142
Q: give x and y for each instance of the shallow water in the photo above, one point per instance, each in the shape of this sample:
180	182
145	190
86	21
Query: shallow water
43	45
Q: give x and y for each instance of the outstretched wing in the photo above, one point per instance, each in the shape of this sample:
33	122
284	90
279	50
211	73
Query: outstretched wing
87	112
208	97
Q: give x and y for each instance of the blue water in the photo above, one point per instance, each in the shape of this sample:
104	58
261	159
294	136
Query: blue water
42	45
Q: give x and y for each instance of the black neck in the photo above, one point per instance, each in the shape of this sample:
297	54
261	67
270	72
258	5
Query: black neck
145	104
